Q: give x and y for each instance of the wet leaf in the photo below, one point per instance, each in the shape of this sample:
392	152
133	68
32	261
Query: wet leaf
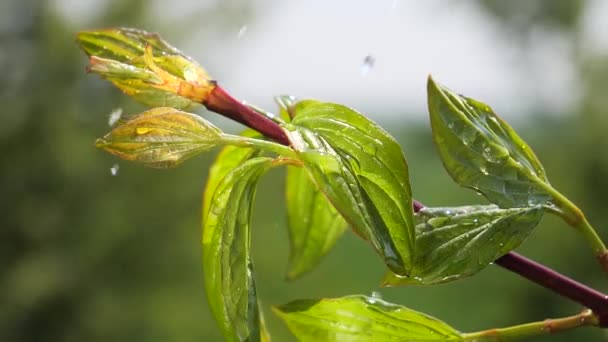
227	264
360	318
228	159
314	224
482	152
362	171
161	137
146	67
286	105
452	243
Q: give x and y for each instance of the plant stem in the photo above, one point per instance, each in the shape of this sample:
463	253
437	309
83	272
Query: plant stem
264	145
575	218
221	102
558	283
549	326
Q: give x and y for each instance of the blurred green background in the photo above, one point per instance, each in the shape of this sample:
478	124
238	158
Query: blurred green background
87	256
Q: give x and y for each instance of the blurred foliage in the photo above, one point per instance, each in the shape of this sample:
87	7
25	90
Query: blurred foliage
85	256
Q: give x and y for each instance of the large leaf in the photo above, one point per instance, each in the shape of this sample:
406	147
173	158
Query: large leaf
314	224
161	137
453	243
360	318
228	159
482	152
362	171
146	67
227	264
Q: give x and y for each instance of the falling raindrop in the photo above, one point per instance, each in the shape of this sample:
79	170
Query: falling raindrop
114	116
114	169
368	64
242	32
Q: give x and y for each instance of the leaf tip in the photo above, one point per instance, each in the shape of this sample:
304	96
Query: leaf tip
101	143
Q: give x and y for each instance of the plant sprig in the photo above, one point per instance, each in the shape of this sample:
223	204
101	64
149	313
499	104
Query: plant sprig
345	170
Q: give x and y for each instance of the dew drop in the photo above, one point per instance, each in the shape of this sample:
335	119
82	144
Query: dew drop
143	130
114	169
242	32
368	64
114	116
376	295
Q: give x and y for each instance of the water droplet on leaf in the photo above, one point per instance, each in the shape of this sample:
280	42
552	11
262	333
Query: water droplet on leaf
143	130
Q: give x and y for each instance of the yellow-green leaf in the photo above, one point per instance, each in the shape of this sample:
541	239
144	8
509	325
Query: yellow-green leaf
362	171
481	151
314	224
227	265
453	243
361	319
228	159
161	137
146	67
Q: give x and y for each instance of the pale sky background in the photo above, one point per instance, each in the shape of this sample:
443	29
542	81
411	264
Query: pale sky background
316	48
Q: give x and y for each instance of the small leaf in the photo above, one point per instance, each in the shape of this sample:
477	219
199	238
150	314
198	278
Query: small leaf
314	224
482	152
161	137
453	243
227	264
286	105
146	67
360	318
362	171
228	159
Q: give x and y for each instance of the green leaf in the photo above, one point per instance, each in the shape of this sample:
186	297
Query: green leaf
146	67
453	243
286	105
228	159
362	171
227	264
481	151
161	137
360	318
314	224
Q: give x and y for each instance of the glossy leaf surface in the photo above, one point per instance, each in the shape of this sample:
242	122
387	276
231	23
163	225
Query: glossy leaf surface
314	224
161	137
360	318
482	152
453	243
227	264
145	67
362	171
228	159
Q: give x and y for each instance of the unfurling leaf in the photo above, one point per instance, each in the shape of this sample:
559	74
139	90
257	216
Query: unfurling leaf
362	171
360	318
453	243
314	224
482	152
227	264
146	67
161	137
228	159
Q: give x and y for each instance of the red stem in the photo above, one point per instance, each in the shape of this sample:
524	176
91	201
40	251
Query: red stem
221	102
